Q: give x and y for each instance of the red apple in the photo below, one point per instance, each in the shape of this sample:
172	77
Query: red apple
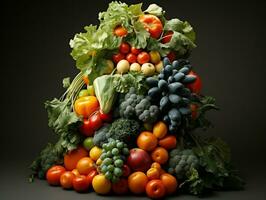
139	160
121	187
126	170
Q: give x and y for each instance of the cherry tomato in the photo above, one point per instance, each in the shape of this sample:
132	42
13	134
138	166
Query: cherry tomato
143	57
121	187
171	56
86	128
118	57
66	180
155	189
167	37
196	86
131	58
86	79
135	51
106	117
91	175
95	121
54	173
126	170
120	31
81	183
124	48
152	24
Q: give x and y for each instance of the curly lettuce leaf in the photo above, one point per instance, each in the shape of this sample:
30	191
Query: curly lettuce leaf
154	9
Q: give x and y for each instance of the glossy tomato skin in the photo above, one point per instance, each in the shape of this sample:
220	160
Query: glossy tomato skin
131	58
196	86
155	189
135	51
66	180
54	173
118	57
126	170
121	187
124	48
86	128
120	31
152	24
143	57
167	37
106	117
91	175
81	183
95	121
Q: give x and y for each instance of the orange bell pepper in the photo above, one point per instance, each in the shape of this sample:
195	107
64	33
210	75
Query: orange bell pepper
85	106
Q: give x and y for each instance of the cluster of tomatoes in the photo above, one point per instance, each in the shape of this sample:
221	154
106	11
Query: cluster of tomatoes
142	172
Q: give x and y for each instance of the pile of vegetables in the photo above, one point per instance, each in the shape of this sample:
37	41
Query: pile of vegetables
126	123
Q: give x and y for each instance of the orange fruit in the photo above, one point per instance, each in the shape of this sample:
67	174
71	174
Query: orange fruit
137	182
156	165
169	182
160	129
101	185
155	189
159	155
147	141
71	158
85	165
153	173
168	142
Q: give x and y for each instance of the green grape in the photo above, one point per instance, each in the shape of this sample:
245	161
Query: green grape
115	151
108	175
112	144
110	168
107	161
109	154
103	156
119	163
104	146
118	172
115	179
125	151
103	168
119	145
116	158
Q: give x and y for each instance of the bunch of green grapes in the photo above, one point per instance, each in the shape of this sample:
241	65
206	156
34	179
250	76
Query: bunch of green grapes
113	157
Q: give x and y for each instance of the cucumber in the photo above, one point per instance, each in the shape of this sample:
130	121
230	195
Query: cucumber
152	82
179	76
185	110
162	84
174	114
154	92
175	64
164	103
189	79
175	99
166	61
174	87
184	70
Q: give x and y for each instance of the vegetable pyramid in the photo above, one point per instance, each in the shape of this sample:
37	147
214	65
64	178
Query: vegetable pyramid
126	123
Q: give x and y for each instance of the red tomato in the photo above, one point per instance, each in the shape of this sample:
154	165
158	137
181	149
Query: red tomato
86	128
131	58
54	173
135	51
106	117
143	57
152	24
126	170
81	183
155	189
171	56
91	175
121	187
120	31
66	180
167	37
95	121
118	57
196	86
124	48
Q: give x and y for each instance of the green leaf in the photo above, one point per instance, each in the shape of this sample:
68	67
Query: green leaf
139	37
66	82
154	9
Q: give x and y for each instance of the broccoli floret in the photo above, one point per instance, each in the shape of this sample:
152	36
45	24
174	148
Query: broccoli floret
125	130
100	135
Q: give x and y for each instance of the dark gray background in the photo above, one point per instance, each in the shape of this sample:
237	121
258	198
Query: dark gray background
230	58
